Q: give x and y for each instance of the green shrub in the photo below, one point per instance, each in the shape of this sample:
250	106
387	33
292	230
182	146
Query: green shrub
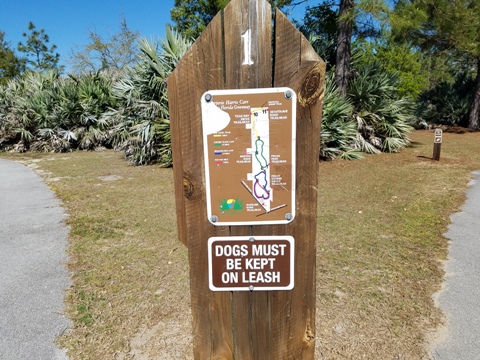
447	103
338	130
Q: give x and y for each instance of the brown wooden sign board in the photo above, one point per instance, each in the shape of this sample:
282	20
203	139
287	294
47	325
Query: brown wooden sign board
251	263
249	151
242	48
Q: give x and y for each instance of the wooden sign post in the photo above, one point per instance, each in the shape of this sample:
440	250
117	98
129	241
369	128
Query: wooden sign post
236	51
437	144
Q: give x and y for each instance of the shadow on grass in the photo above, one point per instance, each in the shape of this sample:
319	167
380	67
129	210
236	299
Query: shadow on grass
424	157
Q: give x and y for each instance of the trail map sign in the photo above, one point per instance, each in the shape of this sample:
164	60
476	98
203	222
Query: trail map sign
249	155
249	148
251	263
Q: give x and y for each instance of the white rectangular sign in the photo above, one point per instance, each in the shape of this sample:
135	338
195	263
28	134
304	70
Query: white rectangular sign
251	263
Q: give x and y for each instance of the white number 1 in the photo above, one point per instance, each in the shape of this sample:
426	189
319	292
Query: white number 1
247	43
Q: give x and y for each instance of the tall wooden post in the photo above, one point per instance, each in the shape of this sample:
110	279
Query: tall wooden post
241	324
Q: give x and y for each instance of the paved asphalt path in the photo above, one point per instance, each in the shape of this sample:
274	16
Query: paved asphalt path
33	277
460	298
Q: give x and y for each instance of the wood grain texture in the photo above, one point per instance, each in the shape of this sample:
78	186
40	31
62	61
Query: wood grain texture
437	149
248	325
201	69
298	66
240	16
251	311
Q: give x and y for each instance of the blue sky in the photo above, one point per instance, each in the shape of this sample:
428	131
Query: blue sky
67	22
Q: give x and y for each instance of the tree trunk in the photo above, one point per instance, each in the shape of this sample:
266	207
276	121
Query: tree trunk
474	117
344	42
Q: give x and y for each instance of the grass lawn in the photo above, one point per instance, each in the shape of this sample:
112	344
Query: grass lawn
379	251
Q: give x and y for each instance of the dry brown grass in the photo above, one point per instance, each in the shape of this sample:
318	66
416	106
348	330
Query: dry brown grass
380	226
130	273
380	243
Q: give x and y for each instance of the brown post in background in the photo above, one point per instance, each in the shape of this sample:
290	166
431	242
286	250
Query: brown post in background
241	324
437	144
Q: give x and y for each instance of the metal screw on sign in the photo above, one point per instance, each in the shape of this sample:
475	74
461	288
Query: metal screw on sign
208	97
251	288
288	94
252	239
288	216
214	218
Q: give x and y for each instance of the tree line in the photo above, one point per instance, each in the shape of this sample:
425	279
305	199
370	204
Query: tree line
392	66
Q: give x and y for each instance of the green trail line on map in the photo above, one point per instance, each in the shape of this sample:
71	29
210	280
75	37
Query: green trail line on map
259	153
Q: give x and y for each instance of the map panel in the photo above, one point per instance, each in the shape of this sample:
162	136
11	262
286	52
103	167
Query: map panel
249	149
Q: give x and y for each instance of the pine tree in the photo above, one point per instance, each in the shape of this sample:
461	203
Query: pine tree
10	65
192	16
444	26
39	56
344	45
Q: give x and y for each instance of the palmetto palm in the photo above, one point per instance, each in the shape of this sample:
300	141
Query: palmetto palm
45	112
142	125
95	97
10	124
18	105
383	117
339	132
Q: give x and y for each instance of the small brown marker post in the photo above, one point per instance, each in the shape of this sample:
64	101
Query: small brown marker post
437	144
